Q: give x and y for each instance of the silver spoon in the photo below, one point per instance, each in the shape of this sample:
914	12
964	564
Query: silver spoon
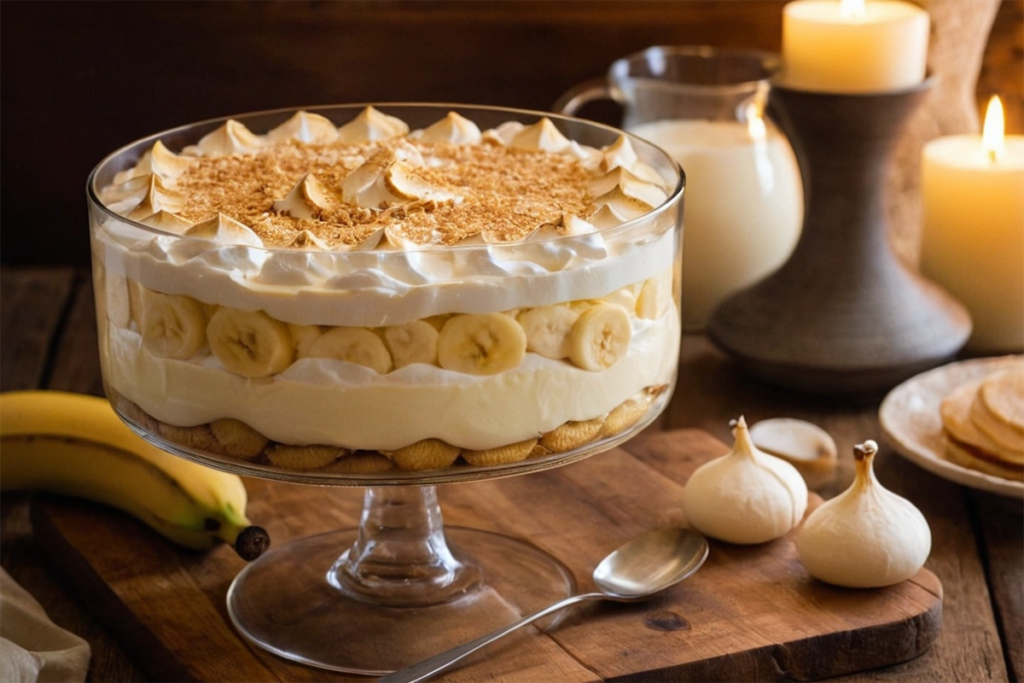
637	570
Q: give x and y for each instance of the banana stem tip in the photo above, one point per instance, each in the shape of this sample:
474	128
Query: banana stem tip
252	542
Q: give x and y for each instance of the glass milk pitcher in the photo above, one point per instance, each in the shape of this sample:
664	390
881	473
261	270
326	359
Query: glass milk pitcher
744	198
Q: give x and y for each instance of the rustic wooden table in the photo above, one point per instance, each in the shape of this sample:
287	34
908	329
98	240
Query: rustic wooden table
48	340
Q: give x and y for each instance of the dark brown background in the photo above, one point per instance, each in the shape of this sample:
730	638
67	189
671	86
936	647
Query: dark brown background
80	79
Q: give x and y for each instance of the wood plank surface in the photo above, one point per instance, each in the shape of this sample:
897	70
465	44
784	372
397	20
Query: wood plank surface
750	613
980	560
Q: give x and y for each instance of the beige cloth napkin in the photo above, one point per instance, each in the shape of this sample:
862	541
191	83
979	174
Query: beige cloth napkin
33	648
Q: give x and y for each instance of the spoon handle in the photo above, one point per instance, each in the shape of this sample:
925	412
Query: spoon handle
438	663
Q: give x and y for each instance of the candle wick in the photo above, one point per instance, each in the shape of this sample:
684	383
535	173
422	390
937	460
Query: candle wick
992	155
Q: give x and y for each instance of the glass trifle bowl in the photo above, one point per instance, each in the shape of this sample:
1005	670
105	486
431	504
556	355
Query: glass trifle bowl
390	296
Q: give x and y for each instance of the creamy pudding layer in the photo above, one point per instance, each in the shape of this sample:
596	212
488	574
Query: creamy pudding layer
325	401
389	288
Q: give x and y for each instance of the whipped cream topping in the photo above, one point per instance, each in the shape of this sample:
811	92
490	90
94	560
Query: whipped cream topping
371	288
396	190
302	404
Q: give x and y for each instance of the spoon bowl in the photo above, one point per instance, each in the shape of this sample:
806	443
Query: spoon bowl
651	563
642	567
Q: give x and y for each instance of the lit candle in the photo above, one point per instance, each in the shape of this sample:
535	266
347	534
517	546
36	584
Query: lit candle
972	239
744	204
853	46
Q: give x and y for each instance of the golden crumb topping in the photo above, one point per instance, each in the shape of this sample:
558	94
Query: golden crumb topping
461	191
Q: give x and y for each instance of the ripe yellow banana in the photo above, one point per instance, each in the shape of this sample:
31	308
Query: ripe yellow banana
75	445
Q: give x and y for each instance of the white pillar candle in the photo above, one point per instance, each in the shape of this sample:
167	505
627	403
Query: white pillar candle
853	46
743	207
972	237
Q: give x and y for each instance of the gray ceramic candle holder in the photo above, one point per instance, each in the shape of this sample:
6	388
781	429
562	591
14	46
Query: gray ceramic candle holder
843	315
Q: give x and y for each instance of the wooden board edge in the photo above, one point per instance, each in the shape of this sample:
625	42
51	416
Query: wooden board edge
100	599
815	658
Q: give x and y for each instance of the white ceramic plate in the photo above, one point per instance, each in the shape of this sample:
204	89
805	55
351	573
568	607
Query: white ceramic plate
910	421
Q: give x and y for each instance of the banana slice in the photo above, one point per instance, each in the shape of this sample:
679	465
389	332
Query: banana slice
548	329
600	337
625	297
303	337
414	342
250	343
136	294
172	326
481	344
119	310
353	345
655	296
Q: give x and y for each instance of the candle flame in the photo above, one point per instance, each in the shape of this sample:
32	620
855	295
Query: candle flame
851	9
993	131
755	122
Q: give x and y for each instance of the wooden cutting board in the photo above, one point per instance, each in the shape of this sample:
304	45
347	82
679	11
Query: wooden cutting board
751	613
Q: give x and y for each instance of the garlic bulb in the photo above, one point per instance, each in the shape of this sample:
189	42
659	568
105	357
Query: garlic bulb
746	496
867	536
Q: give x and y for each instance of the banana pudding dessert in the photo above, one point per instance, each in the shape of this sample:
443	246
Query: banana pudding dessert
350	291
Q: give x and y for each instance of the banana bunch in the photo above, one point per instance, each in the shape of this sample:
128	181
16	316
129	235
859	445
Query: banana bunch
76	445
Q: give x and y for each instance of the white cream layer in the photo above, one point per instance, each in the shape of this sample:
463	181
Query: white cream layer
377	288
323	401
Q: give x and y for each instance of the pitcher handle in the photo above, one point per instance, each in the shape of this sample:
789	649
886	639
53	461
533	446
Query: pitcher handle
587	91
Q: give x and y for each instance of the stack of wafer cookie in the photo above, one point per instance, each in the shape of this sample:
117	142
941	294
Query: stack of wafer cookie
984	424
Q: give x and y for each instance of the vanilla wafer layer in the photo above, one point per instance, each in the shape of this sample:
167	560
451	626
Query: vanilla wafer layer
232	439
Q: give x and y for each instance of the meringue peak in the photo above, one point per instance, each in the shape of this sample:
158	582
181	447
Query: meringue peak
372	125
390	178
157	198
305	127
308	197
307	240
541	136
452	128
159	161
627	195
167	221
225	230
231	138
